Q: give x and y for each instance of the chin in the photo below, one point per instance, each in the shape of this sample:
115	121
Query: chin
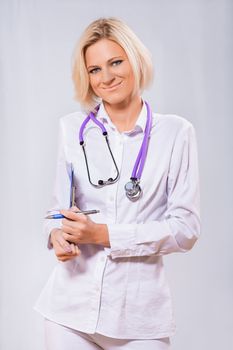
112	100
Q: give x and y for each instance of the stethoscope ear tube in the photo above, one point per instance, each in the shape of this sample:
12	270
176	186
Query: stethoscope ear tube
113	159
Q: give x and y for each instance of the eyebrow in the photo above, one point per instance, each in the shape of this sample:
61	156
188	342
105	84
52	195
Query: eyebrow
113	58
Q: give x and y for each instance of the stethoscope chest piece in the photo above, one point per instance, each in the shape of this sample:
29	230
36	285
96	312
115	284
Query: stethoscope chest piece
133	190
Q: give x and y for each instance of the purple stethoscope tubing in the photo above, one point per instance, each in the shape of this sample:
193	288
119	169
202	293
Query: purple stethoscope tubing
141	157
93	118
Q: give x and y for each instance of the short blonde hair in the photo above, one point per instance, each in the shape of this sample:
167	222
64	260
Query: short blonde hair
113	29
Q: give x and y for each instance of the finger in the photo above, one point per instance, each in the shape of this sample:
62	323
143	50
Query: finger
60	253
65	258
69	214
64	244
77	250
69	238
68	230
69	223
72	246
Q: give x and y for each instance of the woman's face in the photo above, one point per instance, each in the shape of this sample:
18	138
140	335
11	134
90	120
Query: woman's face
110	73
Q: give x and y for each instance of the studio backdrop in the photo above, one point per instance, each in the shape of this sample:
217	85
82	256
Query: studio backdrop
191	46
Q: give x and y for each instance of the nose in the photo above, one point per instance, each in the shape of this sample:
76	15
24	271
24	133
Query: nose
107	76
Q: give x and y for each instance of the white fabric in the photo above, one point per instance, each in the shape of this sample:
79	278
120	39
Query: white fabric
58	337
122	291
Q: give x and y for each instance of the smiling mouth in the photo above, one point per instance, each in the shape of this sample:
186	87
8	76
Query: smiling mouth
113	87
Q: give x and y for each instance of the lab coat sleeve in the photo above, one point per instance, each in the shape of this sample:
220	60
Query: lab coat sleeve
61	190
180	227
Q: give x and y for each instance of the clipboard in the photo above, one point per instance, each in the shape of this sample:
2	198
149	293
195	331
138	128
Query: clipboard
72	188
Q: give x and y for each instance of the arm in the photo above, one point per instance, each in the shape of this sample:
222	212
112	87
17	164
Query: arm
57	234
61	193
180	228
80	229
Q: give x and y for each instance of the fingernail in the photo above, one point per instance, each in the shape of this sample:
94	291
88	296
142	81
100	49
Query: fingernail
68	249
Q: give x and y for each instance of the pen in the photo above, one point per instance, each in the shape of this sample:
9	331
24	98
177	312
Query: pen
60	216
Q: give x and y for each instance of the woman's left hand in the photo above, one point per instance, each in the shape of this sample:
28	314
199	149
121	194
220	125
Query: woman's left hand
80	229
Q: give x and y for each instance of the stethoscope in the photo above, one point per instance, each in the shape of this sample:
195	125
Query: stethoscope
132	188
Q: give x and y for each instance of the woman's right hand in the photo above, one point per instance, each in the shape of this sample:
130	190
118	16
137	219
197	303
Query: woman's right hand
63	249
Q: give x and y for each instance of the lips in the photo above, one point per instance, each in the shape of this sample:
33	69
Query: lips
112	87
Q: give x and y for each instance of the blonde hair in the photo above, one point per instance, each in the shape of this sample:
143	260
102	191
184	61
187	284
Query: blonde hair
113	29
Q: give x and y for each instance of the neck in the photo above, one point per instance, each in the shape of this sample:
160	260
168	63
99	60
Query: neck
124	114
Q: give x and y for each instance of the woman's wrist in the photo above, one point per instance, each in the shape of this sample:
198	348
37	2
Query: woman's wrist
102	236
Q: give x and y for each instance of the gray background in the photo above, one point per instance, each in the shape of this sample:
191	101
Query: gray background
191	44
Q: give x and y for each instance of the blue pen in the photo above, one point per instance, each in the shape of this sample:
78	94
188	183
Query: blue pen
84	212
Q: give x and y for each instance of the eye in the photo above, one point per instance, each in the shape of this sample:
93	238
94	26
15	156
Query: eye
117	62
94	70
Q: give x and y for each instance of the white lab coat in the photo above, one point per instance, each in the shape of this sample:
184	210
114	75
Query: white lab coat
122	291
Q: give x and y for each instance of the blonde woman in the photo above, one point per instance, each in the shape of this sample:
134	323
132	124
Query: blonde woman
139	170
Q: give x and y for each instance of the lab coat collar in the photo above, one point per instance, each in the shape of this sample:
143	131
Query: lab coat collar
140	123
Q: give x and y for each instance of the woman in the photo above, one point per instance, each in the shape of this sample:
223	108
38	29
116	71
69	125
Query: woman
139	170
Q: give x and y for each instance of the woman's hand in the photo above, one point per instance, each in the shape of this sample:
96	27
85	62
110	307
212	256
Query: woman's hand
63	249
80	229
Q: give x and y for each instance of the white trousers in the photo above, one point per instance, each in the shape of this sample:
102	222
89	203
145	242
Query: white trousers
58	337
